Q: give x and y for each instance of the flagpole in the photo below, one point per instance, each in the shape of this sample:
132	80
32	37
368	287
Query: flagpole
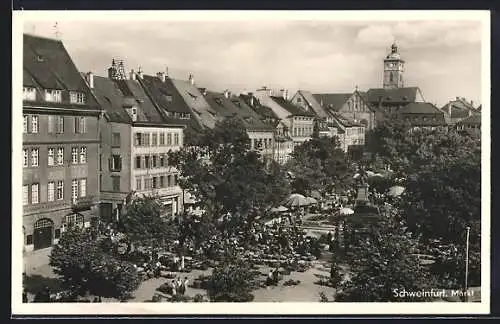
467	261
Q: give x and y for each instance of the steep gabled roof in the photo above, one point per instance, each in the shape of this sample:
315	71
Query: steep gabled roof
333	101
313	103
472	120
165	94
147	107
420	108
397	95
111	99
197	104
47	65
291	108
260	109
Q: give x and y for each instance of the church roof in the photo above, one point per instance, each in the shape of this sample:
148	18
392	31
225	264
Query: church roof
394	96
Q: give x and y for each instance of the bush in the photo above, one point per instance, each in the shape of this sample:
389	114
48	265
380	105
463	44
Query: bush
231	282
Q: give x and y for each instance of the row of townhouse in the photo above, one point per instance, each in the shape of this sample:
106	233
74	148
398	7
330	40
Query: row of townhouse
91	141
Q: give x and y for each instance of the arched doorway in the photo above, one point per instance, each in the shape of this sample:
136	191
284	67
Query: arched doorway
43	233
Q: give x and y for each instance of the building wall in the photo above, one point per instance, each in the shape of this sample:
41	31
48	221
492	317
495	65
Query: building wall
301	129
264	140
170	193
66	172
357	109
109	194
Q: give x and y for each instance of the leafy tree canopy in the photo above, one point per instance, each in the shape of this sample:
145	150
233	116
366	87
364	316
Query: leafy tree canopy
86	264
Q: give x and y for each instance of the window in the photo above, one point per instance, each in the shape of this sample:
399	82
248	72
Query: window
138	183
60	124
153	162
391	77
162	160
74	155
147	183
60	190
169	139
53	95
115	140
154	139
176	179
25	124
137	162
79	125
50	156
51	188
25	158
162	181
162	138
57	233
60	155
83	155
176	139
77	97
35	193
29	94
34	157
138	139
74	190
25	195
146	162
29	239
155	182
34	124
116	183
115	163
83	187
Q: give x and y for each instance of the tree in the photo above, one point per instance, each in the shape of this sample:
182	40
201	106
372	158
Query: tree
231	281
317	164
382	262
87	265
225	175
143	221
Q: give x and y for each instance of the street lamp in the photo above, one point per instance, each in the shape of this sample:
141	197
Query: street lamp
467	261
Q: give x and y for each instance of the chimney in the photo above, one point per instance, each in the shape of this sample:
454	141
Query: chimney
458	98
139	72
472	103
132	74
282	93
449	108
380	101
470	112
161	76
226	93
191	79
286	94
251	101
89	77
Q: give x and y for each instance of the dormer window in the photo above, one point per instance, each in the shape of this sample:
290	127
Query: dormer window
40	58
53	95
29	94
77	97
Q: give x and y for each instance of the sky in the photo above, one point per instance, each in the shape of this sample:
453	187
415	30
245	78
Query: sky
443	58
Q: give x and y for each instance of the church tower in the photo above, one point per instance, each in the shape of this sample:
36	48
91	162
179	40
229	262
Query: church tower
393	69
